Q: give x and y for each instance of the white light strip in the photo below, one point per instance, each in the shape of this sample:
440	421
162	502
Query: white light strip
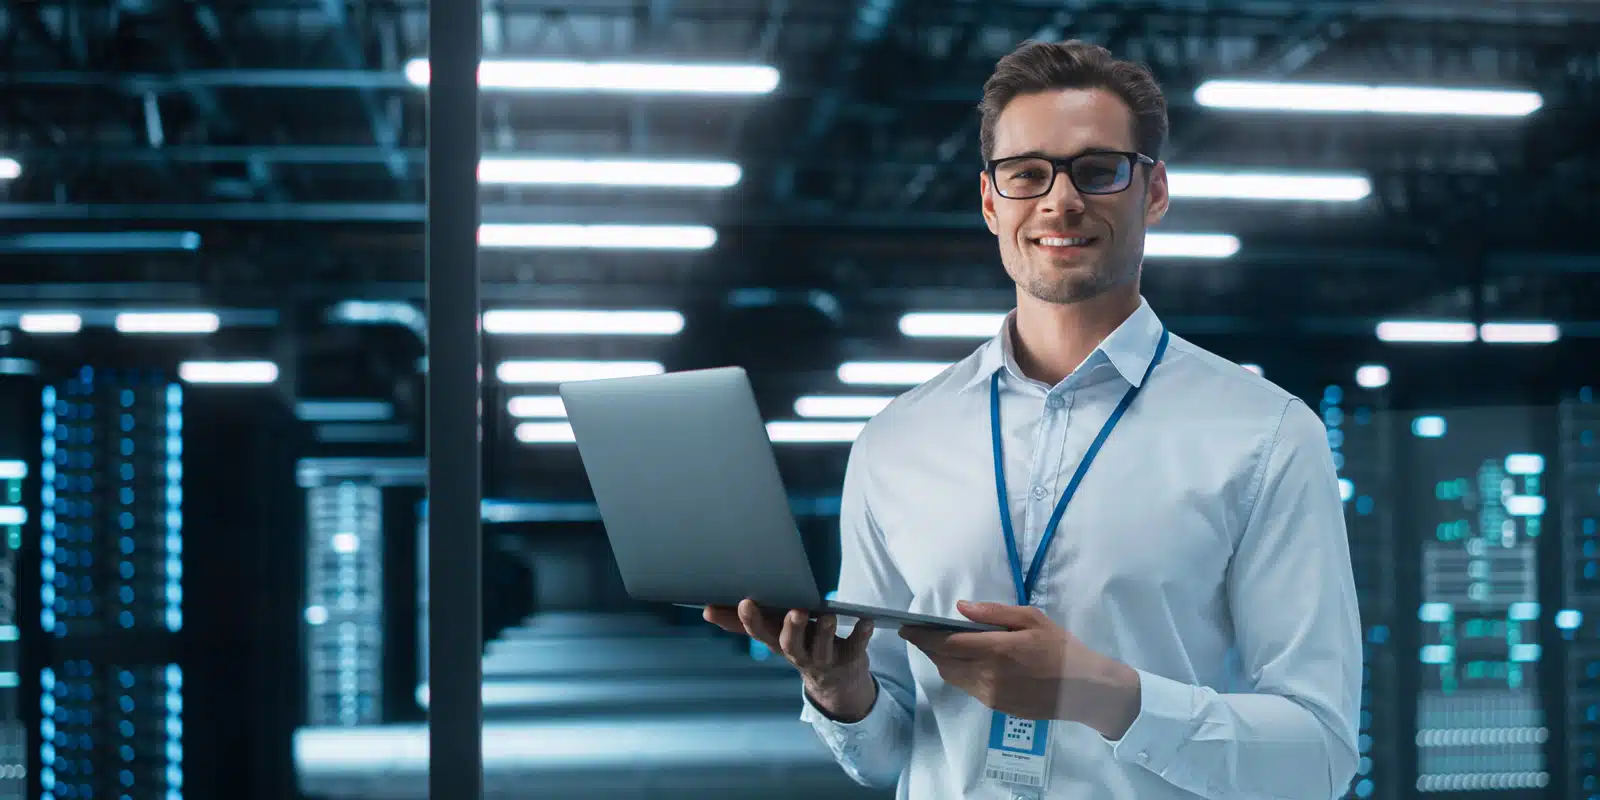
792	432
1372	376
606	172
564	371
1519	332
839	407
1427	331
889	373
637	323
1267	186
10	169
168	322
252	373
1190	245
50	323
545	433
642	78
951	324
1256	368
1365	99
598	237
529	407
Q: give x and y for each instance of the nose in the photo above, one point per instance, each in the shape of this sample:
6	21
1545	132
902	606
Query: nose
1063	198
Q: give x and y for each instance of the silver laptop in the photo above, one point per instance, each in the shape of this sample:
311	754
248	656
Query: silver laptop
691	499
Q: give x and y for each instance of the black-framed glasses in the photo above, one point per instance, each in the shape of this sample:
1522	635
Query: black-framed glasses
1099	172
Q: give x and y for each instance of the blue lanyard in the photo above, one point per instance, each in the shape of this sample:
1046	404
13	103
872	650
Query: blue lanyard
1025	585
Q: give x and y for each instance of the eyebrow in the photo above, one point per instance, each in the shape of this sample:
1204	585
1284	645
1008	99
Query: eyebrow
1043	154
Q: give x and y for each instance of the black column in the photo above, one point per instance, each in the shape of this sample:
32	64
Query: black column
455	539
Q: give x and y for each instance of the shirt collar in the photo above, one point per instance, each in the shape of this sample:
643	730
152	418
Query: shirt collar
1129	348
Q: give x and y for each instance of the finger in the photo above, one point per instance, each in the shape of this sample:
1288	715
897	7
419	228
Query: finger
792	641
822	639
857	642
724	617
756	624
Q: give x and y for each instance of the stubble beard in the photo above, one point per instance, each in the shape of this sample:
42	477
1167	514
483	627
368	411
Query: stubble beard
1051	284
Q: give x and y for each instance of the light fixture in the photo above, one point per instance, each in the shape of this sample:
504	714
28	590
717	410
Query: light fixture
545	407
608	172
597	237
1519	332
10	169
1256	368
1372	376
228	372
951	324
889	373
1190	245
564	371
1431	331
807	432
545	433
50	323
1268	186
582	322
625	77
1366	99
167	322
839	407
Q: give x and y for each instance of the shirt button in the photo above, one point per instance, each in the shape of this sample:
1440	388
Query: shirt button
1038	493
1054	401
1142	757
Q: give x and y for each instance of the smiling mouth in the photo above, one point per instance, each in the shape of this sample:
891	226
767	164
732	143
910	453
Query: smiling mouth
1064	241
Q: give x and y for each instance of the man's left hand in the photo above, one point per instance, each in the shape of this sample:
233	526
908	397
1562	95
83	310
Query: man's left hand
1034	670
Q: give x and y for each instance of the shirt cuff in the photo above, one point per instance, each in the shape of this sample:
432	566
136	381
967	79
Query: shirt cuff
1166	717
845	737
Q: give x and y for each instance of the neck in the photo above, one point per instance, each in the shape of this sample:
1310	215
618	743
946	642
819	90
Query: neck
1052	339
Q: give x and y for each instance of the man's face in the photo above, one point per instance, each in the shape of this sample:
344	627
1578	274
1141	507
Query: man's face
1060	124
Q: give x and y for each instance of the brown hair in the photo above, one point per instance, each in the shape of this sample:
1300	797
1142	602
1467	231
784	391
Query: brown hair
1046	66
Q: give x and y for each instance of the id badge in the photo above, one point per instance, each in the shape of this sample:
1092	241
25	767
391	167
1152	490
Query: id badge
1019	754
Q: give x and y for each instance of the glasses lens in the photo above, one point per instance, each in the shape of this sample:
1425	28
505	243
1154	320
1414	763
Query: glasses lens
1101	173
1023	177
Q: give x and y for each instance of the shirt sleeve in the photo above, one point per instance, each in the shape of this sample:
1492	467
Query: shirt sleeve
1298	636
875	750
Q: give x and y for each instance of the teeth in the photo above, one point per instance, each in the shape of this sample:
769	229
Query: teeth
1053	241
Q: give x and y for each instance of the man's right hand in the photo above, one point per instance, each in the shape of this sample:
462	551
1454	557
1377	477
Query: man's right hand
834	669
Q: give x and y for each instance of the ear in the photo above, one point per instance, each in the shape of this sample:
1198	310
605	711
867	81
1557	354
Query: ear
1157	198
986	192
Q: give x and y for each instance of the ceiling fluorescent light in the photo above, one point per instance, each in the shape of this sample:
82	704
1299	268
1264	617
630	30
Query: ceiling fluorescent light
10	168
1519	332
545	433
1256	368
1426	331
548	407
839	407
1372	376
575	323
167	322
604	172
1190	245
565	371
50	323
1364	99
598	237
952	324
630	77
787	432
252	373
1263	186
889	373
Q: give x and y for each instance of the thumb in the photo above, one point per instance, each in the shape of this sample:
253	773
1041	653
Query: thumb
1013	617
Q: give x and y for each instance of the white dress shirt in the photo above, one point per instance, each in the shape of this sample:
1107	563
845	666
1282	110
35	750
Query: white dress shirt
1205	548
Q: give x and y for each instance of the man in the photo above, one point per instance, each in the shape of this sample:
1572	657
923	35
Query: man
1190	628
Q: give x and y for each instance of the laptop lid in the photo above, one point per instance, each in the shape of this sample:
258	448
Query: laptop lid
688	489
